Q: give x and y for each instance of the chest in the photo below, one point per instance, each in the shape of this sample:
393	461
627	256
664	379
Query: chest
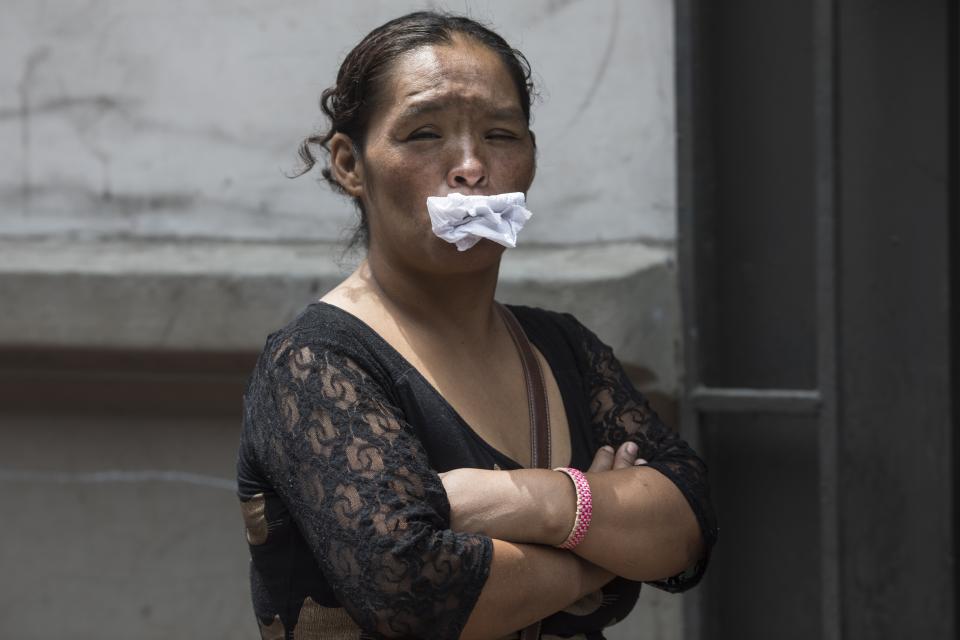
481	391
490	396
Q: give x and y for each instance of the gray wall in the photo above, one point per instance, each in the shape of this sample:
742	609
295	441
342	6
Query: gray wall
142	194
180	118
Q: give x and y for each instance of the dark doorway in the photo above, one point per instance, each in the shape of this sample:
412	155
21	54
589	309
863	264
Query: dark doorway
818	235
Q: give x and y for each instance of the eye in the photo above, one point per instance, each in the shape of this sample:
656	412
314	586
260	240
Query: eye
423	134
501	134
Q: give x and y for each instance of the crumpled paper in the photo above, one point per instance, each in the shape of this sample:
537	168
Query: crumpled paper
465	220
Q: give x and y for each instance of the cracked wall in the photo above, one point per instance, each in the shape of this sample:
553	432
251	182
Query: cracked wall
125	121
181	119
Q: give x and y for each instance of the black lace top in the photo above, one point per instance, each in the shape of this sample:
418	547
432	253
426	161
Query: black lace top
345	515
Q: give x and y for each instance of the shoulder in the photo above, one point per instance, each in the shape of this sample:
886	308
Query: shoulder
321	332
556	330
537	321
320	323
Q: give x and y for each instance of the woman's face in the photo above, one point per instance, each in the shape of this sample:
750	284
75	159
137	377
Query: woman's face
448	119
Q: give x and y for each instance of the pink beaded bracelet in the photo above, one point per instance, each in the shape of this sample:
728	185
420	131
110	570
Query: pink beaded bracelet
584	508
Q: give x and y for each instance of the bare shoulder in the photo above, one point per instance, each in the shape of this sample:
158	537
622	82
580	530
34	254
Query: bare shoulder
354	296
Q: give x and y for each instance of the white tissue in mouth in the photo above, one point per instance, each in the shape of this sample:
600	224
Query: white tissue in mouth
464	220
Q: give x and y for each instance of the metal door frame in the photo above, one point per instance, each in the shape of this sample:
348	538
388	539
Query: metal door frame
826	403
821	402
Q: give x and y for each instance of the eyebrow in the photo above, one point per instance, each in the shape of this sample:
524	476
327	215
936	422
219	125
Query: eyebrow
432	106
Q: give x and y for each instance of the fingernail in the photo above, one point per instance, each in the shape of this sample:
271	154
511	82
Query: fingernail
607	448
639	461
632	448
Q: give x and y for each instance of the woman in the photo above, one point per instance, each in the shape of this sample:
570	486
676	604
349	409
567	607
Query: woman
386	427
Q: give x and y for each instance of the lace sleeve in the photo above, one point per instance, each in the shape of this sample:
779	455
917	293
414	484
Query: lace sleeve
619	413
358	484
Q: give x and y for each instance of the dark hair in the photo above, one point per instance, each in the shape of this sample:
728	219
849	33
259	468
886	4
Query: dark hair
347	104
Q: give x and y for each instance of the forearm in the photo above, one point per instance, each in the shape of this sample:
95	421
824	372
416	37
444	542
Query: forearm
527	583
642	527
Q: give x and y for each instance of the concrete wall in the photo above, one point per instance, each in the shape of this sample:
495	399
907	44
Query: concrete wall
127	527
142	194
180	118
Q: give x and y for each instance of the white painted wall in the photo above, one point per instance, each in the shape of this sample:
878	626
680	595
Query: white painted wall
180	118
148	119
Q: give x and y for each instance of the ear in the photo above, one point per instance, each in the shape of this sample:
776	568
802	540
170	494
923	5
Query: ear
346	165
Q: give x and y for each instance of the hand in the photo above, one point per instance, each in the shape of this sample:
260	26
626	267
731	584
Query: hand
606	459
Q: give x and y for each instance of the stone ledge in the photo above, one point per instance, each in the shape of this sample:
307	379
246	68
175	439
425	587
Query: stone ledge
227	296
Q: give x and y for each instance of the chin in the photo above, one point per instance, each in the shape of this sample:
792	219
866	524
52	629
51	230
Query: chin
483	255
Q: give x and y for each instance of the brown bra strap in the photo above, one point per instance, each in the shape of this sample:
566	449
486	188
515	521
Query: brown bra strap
539	414
536	393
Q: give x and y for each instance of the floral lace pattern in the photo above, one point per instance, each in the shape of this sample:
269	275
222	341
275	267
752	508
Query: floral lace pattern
620	413
357	484
342	504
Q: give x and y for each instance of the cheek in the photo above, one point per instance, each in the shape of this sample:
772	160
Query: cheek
398	189
519	169
531	168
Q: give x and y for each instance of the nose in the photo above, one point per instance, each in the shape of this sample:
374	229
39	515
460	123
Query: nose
469	169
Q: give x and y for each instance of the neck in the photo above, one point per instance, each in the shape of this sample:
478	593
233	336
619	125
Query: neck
458	307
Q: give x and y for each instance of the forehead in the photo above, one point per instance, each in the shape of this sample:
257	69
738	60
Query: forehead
463	73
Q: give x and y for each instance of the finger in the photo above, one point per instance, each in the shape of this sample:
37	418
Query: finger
603	460
626	454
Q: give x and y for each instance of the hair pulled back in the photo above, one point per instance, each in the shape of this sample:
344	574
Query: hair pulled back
349	102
